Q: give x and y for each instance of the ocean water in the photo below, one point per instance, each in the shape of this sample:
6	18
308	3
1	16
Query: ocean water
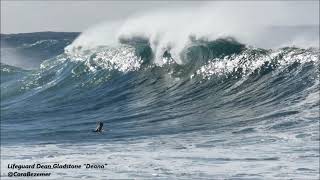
224	110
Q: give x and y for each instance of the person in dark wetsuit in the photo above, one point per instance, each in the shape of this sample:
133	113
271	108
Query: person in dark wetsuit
99	127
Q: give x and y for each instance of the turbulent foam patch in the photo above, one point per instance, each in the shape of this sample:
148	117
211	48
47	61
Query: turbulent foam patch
187	156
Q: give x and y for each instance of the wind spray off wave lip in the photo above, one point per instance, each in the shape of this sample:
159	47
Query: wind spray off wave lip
171	29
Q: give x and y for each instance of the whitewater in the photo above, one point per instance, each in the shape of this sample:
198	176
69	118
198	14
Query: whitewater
203	95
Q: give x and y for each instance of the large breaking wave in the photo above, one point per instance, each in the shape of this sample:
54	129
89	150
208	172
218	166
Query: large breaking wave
220	84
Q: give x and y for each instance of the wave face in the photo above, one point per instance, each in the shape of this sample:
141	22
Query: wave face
221	84
223	94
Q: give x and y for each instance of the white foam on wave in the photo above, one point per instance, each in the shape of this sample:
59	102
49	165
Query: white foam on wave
248	62
121	58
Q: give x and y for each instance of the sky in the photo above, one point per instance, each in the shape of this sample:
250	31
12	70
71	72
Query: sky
32	16
35	16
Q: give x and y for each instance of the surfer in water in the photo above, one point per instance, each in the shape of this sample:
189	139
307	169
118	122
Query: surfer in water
99	127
